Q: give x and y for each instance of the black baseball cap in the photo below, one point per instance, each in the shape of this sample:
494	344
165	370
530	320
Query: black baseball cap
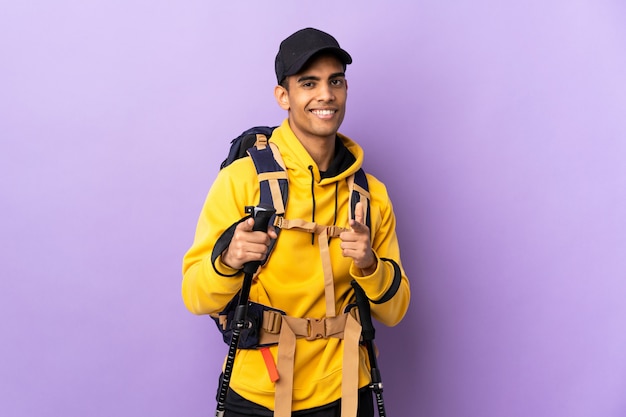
298	48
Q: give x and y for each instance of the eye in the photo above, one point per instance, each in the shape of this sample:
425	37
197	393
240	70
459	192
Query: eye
337	82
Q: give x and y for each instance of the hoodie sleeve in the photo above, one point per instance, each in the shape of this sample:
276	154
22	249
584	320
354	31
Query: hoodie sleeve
388	286
207	287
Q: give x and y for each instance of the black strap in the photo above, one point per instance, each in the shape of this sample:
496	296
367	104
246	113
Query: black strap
395	285
361	180
222	244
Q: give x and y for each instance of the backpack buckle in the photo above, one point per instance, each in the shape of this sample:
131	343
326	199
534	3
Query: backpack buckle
316	329
272	321
279	221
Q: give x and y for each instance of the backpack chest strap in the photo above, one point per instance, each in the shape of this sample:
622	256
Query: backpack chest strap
309	227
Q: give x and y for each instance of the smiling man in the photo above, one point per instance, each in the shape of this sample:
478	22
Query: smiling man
307	360
315	100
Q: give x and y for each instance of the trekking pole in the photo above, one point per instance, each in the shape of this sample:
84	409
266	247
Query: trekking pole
261	215
368	332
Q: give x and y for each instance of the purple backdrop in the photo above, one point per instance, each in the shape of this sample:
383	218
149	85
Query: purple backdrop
499	128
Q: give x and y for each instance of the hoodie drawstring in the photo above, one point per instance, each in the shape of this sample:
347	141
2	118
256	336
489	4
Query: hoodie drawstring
313	203
313	199
336	197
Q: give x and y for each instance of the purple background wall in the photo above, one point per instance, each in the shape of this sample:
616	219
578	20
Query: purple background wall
499	128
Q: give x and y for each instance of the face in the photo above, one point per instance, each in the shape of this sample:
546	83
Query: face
315	99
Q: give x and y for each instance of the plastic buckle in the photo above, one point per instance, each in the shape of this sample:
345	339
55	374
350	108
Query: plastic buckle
316	329
272	321
278	221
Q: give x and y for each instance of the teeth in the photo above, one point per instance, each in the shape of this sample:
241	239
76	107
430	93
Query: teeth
324	112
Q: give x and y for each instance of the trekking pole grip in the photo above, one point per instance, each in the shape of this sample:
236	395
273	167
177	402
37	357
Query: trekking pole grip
261	215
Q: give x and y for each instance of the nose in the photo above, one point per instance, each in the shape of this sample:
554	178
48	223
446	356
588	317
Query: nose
326	92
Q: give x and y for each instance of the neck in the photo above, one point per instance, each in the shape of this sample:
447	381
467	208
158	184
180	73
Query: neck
321	149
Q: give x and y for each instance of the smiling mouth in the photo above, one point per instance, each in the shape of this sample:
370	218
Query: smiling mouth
323	113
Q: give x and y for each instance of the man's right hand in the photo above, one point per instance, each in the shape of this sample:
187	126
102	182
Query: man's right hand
247	245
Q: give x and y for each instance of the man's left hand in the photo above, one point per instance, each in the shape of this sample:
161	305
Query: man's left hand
355	243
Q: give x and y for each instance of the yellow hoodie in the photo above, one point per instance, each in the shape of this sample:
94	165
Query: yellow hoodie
292	280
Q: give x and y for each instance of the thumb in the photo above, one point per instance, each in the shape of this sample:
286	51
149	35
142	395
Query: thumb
247	225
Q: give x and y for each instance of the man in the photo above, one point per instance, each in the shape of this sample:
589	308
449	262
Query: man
308	275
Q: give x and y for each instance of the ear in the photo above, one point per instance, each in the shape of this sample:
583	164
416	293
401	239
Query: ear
282	97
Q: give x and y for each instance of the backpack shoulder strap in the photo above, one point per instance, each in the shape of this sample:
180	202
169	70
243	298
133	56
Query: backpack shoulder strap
272	174
273	179
359	192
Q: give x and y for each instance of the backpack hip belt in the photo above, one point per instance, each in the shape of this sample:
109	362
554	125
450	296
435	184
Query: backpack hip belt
276	328
307	328
284	330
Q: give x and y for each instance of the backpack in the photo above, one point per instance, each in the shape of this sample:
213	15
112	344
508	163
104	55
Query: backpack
264	323
240	145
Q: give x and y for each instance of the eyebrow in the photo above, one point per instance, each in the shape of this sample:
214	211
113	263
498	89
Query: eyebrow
314	78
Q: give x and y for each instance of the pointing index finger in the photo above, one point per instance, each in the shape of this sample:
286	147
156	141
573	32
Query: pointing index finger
358	213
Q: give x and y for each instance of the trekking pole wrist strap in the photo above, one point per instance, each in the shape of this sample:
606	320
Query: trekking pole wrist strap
222	244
